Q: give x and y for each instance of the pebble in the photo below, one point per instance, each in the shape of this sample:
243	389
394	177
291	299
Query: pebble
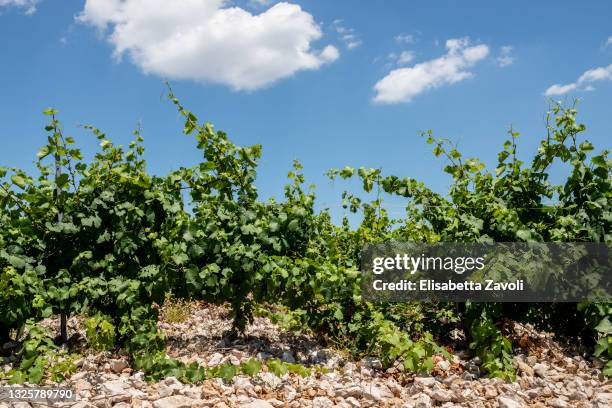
258	403
177	401
540	369
507	402
118	366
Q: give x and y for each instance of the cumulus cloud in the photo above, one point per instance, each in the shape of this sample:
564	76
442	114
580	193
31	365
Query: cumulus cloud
403	84
584	82
28	5
347	35
209	41
608	42
505	57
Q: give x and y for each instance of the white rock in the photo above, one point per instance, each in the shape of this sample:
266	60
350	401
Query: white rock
258	403
350	391
177	401
215	360
422	401
557	403
164	391
580	396
81	385
276	403
378	392
193	392
78	376
533	393
441	395
242	383
289	392
118	366
80	404
173	383
394	387
322	402
490	392
136	393
507	402
115	387
524	368
270	379
444	365
353	402
424	382
540	369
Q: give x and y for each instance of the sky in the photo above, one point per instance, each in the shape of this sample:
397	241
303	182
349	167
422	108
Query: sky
330	83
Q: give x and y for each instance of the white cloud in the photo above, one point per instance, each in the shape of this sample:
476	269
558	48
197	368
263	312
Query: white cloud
405	57
329	54
557	89
208	41
405	38
608	42
347	35
28	5
584	82
505	57
402	58
403	84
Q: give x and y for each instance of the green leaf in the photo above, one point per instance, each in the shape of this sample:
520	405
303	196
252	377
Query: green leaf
43	152
427	364
62	180
599	161
601	346
251	367
18	181
106	144
293	225
604	326
18	377
607	371
226	372
524	234
36	373
276	367
16	261
586	146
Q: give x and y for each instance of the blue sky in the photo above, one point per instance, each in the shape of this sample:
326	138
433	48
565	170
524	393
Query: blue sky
331	83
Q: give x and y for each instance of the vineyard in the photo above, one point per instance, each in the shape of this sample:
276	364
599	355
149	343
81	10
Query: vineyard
113	245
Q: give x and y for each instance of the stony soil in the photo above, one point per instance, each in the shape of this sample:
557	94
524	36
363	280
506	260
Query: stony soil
549	376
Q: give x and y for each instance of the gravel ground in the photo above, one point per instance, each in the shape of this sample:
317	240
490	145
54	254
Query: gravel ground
548	375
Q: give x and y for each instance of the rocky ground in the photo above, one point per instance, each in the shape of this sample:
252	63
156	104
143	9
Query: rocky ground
548	376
